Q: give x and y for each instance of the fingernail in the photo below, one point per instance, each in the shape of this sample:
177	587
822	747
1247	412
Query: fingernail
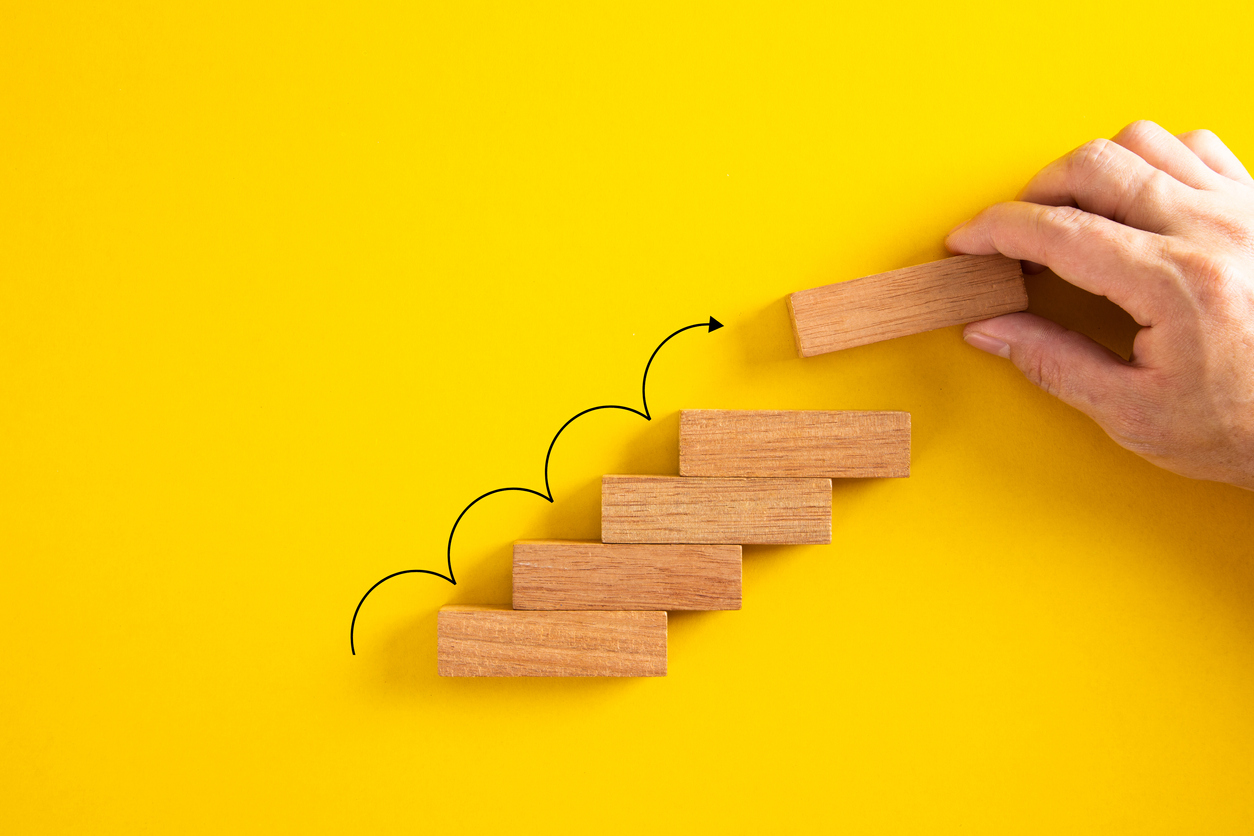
986	343
958	227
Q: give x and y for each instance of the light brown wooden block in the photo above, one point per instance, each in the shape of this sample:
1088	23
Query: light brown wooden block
961	289
840	444
682	509
494	641
584	575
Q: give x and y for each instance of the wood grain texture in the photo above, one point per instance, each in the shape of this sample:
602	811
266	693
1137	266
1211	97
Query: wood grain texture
494	641
721	442
952	291
585	575
683	509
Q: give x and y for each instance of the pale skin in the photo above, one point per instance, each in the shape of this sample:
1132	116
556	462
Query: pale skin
1163	226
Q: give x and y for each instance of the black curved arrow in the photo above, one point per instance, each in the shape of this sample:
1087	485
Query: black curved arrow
712	325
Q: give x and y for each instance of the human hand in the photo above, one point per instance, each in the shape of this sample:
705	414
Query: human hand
1163	226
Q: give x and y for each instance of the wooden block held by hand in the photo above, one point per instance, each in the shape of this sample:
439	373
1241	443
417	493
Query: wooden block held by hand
961	289
584	575
683	509
724	442
494	641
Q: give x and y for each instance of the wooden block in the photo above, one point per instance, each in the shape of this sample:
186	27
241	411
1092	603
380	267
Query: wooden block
582	575
718	442
683	509
494	641
961	289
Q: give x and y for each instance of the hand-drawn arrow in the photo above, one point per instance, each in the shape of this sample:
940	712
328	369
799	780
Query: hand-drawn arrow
712	325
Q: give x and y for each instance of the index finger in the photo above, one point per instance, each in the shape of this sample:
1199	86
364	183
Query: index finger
1091	252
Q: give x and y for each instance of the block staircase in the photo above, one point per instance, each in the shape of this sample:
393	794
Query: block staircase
673	542
670	543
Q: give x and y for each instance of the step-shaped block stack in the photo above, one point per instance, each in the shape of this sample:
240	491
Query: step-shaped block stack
672	543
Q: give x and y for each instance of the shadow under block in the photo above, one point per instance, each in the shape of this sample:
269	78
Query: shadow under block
583	575
952	291
494	641
840	444
683	509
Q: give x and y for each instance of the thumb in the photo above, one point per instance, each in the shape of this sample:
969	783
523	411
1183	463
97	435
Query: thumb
1067	365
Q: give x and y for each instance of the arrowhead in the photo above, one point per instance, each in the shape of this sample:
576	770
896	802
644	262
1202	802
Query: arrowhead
715	324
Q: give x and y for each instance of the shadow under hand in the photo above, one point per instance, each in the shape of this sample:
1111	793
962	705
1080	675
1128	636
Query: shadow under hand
1079	310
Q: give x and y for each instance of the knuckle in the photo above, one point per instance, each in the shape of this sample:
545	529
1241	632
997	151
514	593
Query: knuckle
1139	130
1043	367
1157	189
1209	277
1059	224
1090	159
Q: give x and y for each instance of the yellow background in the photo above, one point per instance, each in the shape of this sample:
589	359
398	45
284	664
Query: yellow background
284	286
